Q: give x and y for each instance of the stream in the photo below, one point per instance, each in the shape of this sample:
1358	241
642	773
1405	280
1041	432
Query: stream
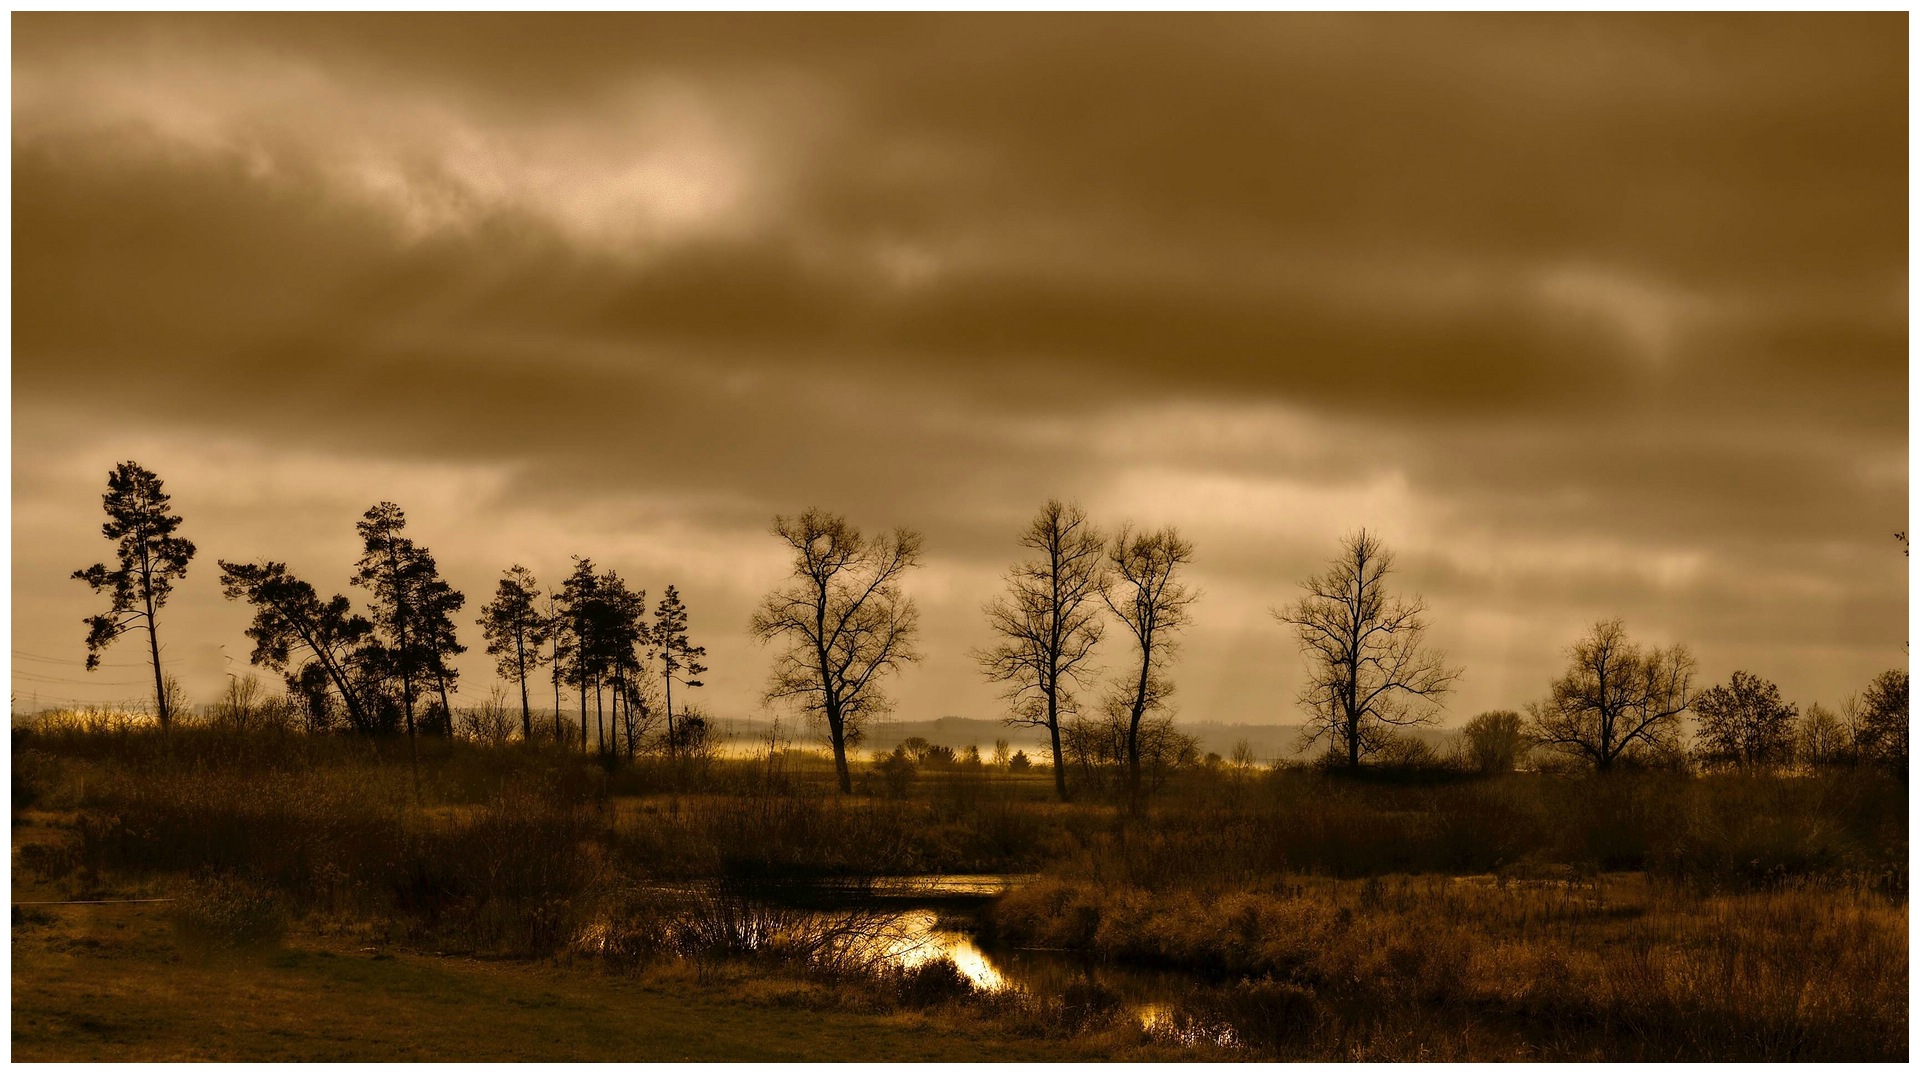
930	917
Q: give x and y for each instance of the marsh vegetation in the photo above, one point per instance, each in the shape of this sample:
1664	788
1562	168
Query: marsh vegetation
1294	912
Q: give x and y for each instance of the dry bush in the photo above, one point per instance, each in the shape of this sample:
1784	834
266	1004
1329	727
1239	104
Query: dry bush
224	910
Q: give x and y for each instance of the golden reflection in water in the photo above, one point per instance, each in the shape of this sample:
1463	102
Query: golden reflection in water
916	940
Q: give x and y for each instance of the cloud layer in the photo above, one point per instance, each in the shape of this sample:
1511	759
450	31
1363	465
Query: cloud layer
1589	315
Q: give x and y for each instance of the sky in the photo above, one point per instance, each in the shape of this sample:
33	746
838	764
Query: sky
1585	316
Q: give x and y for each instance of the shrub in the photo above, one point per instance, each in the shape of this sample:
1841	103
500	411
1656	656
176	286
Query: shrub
225	910
929	983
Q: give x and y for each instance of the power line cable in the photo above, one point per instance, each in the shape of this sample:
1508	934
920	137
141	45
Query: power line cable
72	660
31	677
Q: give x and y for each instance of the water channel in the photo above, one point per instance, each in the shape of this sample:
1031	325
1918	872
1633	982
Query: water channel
918	919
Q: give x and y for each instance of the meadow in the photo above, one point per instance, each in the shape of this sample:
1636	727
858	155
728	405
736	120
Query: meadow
521	901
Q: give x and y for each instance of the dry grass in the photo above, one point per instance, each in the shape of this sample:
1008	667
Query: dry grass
1576	967
1763	918
110	984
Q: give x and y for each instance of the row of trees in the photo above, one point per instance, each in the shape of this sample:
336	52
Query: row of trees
844	623
391	666
1741	723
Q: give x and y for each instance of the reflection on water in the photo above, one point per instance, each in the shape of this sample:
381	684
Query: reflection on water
915	937
910	921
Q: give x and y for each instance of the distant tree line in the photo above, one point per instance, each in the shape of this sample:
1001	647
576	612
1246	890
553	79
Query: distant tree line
843	623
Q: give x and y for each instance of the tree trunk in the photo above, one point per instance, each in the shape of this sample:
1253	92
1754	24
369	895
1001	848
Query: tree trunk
159	683
526	707
1053	729
613	710
668	677
1133	727
838	731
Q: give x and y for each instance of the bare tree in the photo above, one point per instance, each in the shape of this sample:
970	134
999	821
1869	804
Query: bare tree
1616	698
1369	669
845	620
1495	741
1821	739
1744	722
150	558
1885	719
1049	620
1151	605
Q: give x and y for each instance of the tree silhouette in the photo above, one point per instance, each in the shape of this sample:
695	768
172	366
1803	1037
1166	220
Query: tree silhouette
150	559
412	610
1744	722
1820	739
580	604
515	629
1369	669
439	642
1616	698
1049	622
1495	741
1151	605
295	632
1885	719
555	626
845	620
678	655
620	634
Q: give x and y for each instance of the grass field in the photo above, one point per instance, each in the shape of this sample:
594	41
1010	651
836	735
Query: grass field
110	983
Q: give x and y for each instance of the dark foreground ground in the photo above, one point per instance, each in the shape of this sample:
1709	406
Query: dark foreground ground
110	983
521	903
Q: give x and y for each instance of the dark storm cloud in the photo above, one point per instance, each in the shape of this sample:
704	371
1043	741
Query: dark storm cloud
1557	299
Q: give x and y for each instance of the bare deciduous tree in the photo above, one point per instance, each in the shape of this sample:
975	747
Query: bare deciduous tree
1744	722
1151	605
1884	719
1369	669
150	558
1822	740
1049	621
1495	741
1616	698
845	620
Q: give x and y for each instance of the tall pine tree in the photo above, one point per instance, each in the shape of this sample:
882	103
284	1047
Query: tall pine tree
150	559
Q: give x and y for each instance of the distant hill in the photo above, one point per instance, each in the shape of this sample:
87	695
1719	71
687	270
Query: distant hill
1269	742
